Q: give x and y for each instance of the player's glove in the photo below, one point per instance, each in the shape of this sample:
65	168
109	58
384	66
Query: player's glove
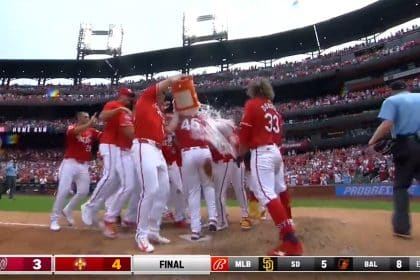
384	146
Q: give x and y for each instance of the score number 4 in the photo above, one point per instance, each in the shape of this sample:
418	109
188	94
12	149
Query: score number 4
116	264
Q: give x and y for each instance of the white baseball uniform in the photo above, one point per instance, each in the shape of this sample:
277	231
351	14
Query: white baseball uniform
195	153
128	184
150	164
177	197
238	184
222	173
112	166
74	168
128	178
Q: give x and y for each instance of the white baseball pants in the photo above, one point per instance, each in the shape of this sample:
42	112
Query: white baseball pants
267	173
128	183
193	178
70	171
238	184
111	177
177	197
152	173
222	173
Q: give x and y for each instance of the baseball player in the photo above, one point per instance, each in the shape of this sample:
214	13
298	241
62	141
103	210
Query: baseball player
238	183
127	179
283	192
177	197
196	172
111	154
75	167
222	173
260	123
152	171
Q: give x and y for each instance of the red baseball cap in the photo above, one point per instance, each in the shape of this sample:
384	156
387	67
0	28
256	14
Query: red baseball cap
126	92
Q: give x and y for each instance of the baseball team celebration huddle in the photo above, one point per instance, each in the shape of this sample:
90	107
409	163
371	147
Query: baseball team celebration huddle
161	151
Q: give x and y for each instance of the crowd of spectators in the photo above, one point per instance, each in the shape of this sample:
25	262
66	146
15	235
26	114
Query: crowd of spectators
307	67
346	165
34	165
235	113
231	78
64	93
353	165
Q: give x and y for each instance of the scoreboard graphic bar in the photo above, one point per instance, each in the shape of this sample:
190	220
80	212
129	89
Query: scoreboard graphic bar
92	264
198	264
26	264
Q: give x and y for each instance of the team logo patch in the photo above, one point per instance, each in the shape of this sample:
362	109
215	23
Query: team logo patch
3	264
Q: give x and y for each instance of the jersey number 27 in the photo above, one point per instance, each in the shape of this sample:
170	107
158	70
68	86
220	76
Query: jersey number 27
273	123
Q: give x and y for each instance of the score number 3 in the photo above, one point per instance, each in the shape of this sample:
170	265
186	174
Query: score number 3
273	123
116	264
37	264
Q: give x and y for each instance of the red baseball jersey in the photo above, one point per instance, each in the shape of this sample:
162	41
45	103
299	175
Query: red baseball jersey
110	132
278	137
260	123
190	132
79	146
125	120
170	151
149	120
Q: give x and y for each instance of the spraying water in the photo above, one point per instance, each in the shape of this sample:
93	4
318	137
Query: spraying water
216	130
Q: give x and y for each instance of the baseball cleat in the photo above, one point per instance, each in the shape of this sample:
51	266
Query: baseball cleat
196	236
110	230
246	223
287	248
68	215
144	245
54	226
253	210
181	224
222	226
403	235
86	215
119	220
263	215
212	225
129	225
156	238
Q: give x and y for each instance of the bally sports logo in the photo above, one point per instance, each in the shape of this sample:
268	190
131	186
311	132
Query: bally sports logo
219	264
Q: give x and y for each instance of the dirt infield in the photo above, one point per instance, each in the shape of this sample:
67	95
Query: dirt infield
325	232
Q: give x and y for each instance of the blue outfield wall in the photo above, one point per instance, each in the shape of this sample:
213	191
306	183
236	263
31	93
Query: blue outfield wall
379	190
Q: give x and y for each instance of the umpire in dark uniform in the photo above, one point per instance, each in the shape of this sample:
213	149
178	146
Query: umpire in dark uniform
401	116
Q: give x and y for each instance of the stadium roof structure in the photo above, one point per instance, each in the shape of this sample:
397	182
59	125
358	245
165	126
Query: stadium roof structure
372	19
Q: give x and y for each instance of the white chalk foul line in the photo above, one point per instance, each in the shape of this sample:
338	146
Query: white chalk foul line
23	224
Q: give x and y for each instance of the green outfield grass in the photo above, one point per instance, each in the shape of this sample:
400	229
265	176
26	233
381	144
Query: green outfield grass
44	204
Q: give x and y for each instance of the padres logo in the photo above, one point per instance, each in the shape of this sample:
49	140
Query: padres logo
219	264
3	264
268	264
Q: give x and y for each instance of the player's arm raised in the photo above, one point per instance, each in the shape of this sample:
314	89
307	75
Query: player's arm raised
164	85
107	114
82	127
